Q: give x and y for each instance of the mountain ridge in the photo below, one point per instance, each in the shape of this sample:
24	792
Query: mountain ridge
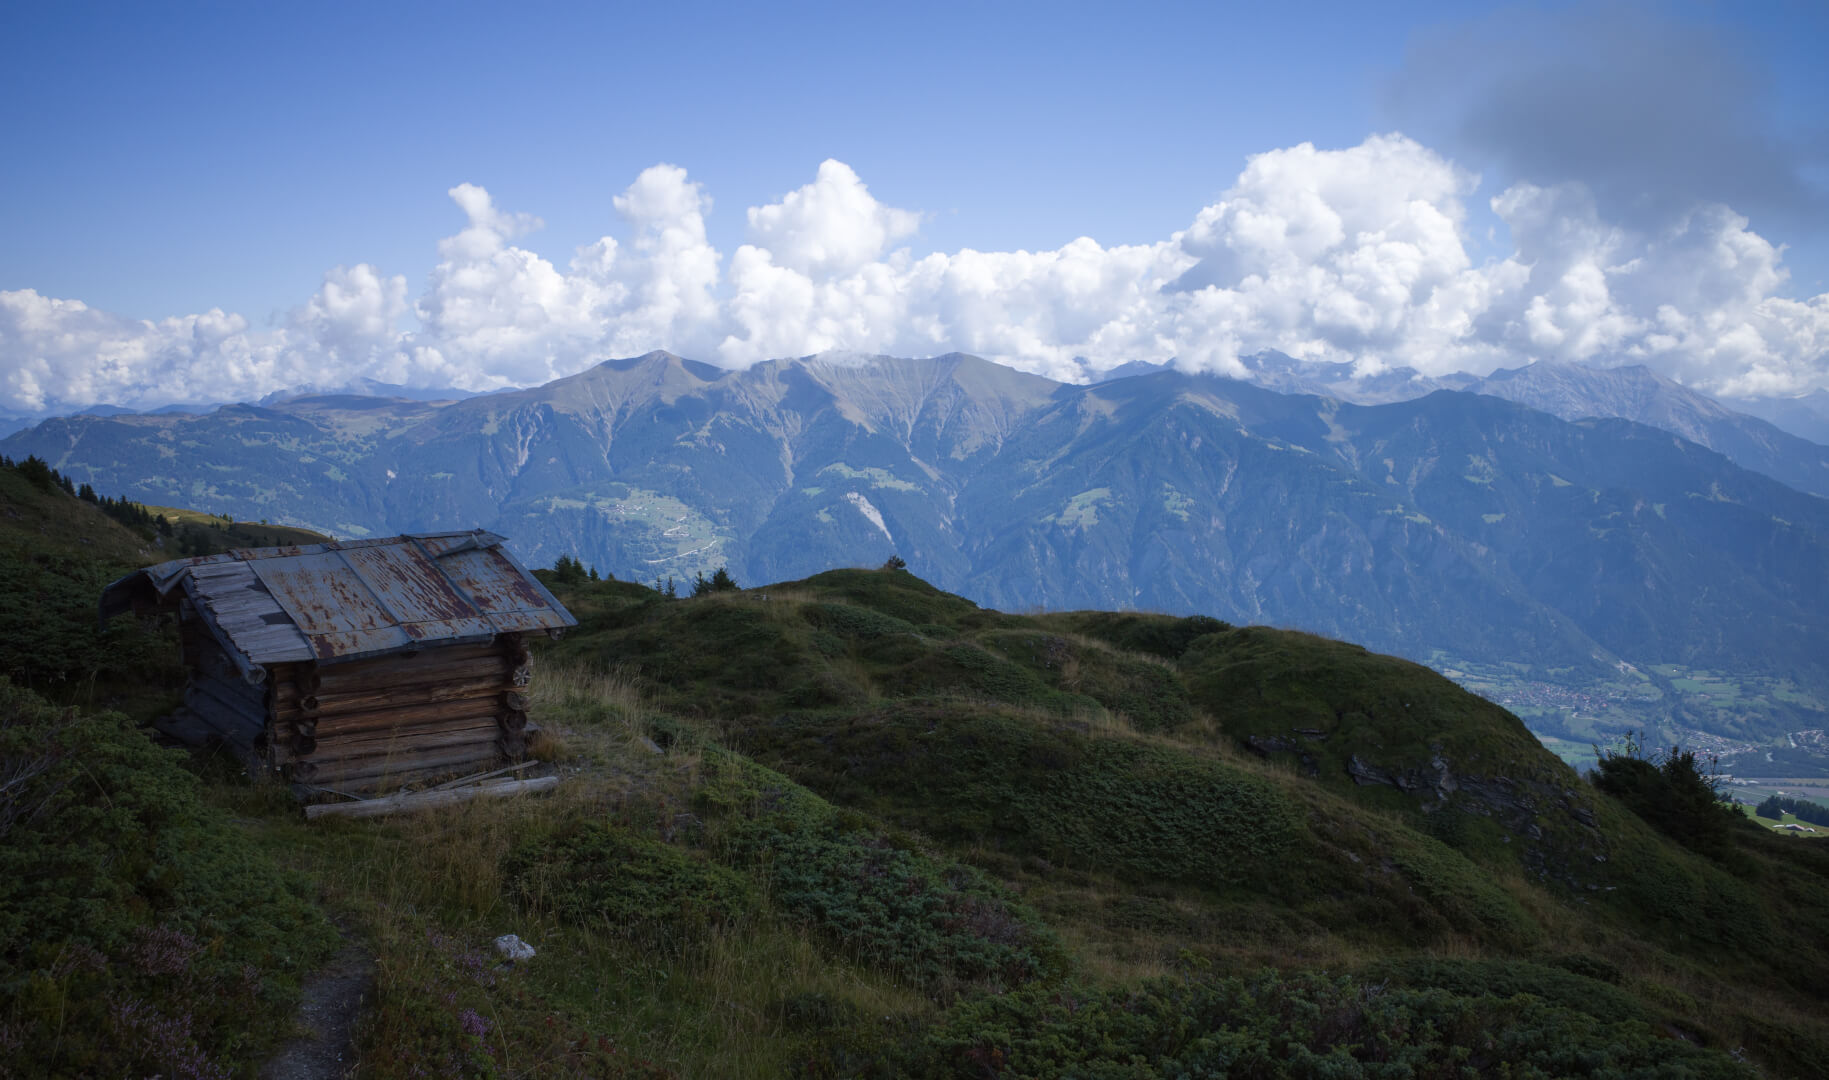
1448	526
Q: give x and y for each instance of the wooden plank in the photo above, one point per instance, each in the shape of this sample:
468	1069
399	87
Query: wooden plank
397	697
382	749
327	682
330	681
408	802
475	777
242	609
368	786
429	714
431	656
376	769
231	687
386	741
230	716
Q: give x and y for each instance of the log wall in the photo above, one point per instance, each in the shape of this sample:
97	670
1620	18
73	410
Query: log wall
375	723
217	697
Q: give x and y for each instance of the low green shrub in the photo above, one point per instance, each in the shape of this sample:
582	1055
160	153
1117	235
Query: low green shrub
939	924
1274	1025
603	874
849	621
1557	985
1461	892
1148	694
1159	635
140	933
984	775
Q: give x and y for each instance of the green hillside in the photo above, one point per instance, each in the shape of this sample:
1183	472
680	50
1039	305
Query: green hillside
1591	575
856	826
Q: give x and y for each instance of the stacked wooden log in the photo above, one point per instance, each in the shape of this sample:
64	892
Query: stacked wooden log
229	707
361	725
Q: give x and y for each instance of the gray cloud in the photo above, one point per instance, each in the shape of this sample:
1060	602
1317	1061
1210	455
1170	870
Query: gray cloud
1654	115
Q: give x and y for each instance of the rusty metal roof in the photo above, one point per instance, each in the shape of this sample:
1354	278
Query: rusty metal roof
350	599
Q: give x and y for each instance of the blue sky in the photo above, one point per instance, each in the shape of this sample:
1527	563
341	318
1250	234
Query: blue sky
166	160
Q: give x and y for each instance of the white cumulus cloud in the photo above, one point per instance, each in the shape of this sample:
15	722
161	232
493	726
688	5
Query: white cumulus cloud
1355	254
831	226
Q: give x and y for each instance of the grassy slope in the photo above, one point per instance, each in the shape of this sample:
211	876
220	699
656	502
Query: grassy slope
56	554
856	826
232	533
140	932
1091	761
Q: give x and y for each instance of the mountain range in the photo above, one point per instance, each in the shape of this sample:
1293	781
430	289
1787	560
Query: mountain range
1454	527
1577	391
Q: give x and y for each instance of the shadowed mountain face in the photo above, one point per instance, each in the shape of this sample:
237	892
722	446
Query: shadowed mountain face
1453	522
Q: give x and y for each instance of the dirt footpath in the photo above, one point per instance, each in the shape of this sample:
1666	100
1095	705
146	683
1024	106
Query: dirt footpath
332	1000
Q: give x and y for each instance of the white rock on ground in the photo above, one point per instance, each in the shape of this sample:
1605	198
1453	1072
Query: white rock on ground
512	947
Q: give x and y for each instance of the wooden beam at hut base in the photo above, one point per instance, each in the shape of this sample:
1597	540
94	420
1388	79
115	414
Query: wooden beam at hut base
481	753
409	801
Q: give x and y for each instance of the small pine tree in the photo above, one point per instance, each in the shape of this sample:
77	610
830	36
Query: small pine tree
721	581
1672	792
569	571
37	473
700	584
895	562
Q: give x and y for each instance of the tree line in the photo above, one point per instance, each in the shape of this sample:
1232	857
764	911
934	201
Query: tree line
569	570
1776	807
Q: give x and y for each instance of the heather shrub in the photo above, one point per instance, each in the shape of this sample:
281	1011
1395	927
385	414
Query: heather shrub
938	924
140	933
1275	1025
606	875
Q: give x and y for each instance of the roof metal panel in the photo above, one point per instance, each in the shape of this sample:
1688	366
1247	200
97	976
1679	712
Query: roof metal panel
244	611
344	600
513	599
438	545
336	610
416	593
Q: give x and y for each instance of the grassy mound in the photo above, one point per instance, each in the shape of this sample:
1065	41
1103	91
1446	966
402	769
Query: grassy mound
1161	788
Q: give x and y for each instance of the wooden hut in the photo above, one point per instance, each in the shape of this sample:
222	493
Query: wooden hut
354	665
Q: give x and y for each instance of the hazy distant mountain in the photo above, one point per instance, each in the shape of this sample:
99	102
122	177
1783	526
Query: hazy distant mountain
1285	374
1806	416
1637	393
11	422
1452	522
1575	391
366	387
